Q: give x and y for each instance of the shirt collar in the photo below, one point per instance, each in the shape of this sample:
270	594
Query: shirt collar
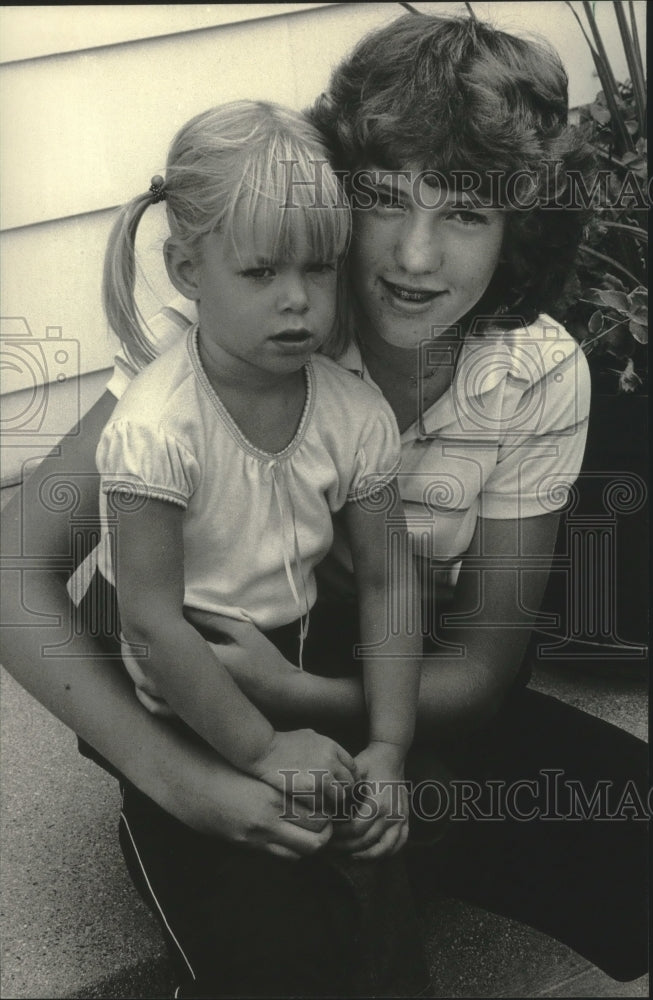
352	360
474	375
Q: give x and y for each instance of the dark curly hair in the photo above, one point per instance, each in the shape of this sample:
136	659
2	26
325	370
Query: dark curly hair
455	94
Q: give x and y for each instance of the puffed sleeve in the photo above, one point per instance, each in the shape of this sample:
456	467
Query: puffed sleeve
147	461
378	455
539	461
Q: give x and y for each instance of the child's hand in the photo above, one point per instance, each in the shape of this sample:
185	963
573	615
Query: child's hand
380	824
303	762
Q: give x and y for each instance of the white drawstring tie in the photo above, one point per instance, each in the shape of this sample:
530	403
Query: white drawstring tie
280	486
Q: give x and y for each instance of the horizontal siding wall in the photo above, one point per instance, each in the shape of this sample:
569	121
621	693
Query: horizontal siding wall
32	32
91	97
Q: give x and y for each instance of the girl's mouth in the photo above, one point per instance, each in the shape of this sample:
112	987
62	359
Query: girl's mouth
293	336
418	296
299	338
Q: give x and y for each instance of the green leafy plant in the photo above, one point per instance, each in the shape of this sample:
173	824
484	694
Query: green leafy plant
607	301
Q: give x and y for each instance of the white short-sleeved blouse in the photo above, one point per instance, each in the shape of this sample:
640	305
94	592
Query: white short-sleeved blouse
256	524
505	441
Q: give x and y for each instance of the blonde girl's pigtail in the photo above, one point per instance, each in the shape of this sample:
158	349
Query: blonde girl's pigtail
119	277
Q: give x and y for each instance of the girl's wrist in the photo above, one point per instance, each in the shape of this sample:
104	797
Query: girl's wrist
391	752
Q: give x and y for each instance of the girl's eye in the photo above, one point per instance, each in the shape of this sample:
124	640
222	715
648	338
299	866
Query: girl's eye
469	217
321	267
258	272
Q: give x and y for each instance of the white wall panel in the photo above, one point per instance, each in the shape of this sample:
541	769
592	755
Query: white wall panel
86	131
52	277
31	31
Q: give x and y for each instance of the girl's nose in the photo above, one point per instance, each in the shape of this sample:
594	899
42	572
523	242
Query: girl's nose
293	296
419	249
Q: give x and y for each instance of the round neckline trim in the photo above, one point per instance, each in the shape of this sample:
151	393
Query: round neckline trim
230	424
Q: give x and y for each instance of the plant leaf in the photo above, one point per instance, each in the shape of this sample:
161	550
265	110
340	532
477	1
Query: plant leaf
599	114
637	83
612	281
592	297
618	340
639	315
608	297
639	306
639	331
615	300
595	322
622	137
639	297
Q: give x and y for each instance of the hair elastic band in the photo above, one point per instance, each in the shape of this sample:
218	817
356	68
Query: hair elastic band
156	188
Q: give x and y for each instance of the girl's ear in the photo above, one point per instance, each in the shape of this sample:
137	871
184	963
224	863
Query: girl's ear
182	269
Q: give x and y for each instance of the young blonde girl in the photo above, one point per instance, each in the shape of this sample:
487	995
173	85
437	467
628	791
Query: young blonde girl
226	458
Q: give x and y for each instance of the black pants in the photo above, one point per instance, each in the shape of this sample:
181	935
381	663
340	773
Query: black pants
240	923
537	859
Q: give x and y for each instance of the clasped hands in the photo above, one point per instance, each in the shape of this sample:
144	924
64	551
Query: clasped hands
364	797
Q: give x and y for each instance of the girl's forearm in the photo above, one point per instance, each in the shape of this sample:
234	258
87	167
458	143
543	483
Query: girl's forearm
391	665
199	688
391	691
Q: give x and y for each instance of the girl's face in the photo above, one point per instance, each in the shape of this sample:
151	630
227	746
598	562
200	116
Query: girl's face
421	257
257	315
